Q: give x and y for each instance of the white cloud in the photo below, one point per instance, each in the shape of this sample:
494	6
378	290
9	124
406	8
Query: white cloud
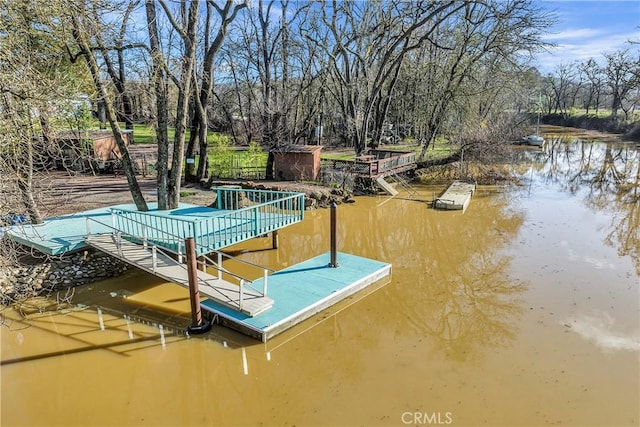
573	48
599	329
574	33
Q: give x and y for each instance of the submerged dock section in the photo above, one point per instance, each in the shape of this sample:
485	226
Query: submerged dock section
457	196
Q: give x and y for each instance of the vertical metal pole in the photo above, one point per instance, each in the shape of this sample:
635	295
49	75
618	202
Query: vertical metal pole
265	275
197	325
241	294
219	265
334	252
144	236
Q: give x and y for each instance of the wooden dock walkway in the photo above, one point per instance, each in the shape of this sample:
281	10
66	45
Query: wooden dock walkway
457	196
214	288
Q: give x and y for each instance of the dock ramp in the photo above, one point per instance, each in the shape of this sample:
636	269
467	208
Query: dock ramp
457	196
158	262
388	188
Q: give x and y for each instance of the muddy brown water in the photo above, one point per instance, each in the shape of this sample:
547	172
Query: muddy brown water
524	310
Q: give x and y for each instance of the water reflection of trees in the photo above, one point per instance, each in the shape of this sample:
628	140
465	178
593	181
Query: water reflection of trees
458	291
450	279
609	175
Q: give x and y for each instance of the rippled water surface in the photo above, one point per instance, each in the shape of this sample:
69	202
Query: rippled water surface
524	310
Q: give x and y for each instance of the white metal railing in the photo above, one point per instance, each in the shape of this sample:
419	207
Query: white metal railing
117	236
220	269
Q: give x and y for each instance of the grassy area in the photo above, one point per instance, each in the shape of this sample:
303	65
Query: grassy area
439	150
225	160
338	156
143	134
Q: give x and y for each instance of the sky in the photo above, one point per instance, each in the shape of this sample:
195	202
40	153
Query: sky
587	29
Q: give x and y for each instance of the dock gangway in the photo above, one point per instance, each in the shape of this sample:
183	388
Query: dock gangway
161	261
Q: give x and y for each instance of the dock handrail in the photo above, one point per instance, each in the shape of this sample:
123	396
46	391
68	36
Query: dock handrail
263	197
220	269
384	163
235	222
243	281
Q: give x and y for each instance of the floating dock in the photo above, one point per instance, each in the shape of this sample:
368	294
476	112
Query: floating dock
166	267
302	290
238	215
154	241
457	196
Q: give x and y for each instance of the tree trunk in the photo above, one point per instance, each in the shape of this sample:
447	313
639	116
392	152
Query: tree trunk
127	164
182	110
25	182
190	168
268	173
162	112
102	116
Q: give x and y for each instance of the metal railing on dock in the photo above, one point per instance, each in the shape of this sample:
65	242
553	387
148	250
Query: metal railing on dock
118	237
379	163
242	214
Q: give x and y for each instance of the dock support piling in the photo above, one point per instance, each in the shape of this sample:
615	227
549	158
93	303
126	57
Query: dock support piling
334	252
274	239
198	326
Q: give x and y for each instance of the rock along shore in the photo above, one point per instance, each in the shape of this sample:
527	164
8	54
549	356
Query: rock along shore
75	269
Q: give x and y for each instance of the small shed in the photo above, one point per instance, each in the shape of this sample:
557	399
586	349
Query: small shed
79	148
298	162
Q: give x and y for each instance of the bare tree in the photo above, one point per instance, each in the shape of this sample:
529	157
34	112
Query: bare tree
203	81
117	69
492	30
84	29
565	82
36	79
184	23
275	74
367	45
621	70
595	82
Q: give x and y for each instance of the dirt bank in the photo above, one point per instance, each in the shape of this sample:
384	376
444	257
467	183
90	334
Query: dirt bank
66	193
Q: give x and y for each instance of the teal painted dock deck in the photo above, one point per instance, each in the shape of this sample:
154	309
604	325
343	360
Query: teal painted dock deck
294	294
60	234
239	215
302	290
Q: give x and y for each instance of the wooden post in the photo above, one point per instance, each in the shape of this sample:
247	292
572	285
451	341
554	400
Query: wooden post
274	239
334	252
197	325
